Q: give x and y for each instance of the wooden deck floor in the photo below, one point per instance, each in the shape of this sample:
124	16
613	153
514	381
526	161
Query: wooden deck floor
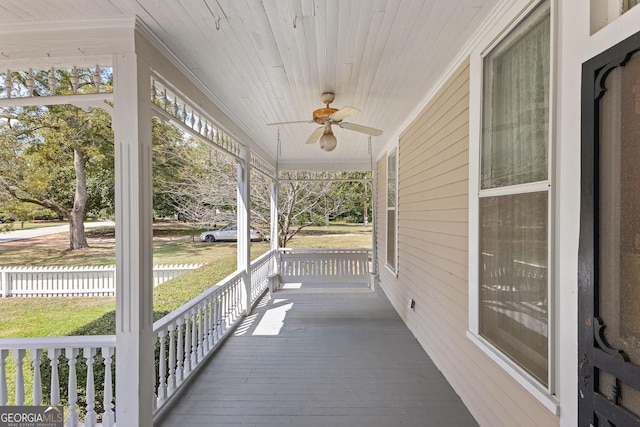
315	357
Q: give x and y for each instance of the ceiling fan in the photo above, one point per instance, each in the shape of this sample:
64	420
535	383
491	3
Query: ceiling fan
331	116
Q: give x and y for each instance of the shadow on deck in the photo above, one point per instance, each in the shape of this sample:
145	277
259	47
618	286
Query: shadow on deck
319	356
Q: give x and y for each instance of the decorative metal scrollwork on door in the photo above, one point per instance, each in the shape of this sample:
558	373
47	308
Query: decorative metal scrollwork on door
609	256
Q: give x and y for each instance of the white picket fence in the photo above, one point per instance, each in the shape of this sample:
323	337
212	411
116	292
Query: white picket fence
74	281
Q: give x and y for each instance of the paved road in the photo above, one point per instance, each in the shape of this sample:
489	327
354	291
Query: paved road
10	236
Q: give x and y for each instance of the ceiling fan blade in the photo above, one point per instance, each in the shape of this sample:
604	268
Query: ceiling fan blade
289	123
343	113
315	136
361	129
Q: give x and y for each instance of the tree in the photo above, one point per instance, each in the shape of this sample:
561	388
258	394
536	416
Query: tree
16	211
202	187
58	154
301	203
56	157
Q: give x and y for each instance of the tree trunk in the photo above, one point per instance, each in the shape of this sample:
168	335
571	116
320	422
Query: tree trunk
76	216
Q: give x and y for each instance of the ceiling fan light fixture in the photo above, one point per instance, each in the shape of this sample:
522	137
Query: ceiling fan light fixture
328	141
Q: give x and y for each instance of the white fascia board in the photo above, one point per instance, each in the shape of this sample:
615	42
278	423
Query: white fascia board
65	43
169	66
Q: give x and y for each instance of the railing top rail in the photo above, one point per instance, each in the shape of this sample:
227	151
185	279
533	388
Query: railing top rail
58	342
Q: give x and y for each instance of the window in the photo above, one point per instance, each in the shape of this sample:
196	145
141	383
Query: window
392	197
513	206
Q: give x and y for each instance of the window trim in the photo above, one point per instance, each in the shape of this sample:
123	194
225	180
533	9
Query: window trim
393	268
545	395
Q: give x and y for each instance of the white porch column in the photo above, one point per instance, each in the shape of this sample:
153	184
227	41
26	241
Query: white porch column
244	237
134	270
274	214
374	230
275	259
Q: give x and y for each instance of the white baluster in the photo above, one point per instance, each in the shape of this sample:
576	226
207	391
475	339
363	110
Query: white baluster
73	419
153	91
18	356
97	78
154	394
236	302
75	80
53	354
180	352
8	83
233	290
229	300
165	100
162	369
90	417
223	309
35	355
30	82
53	81
200	314
171	382
108	416
3	377
218	316
194	339
187	346
210	322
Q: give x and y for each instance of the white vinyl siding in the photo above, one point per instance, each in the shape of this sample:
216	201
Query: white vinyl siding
433	243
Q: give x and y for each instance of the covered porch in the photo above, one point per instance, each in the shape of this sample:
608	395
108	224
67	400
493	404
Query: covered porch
331	353
326	354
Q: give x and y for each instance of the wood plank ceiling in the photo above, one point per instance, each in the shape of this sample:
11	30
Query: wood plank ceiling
270	60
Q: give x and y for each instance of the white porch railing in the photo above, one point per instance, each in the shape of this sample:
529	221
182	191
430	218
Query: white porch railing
324	265
74	281
185	337
50	355
183	340
260	270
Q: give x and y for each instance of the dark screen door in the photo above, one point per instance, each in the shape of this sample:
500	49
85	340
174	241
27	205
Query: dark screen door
609	260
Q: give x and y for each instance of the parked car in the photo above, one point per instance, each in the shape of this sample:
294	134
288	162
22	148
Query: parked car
229	233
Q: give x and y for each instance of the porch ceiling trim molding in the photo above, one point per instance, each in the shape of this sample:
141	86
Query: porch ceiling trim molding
175	72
